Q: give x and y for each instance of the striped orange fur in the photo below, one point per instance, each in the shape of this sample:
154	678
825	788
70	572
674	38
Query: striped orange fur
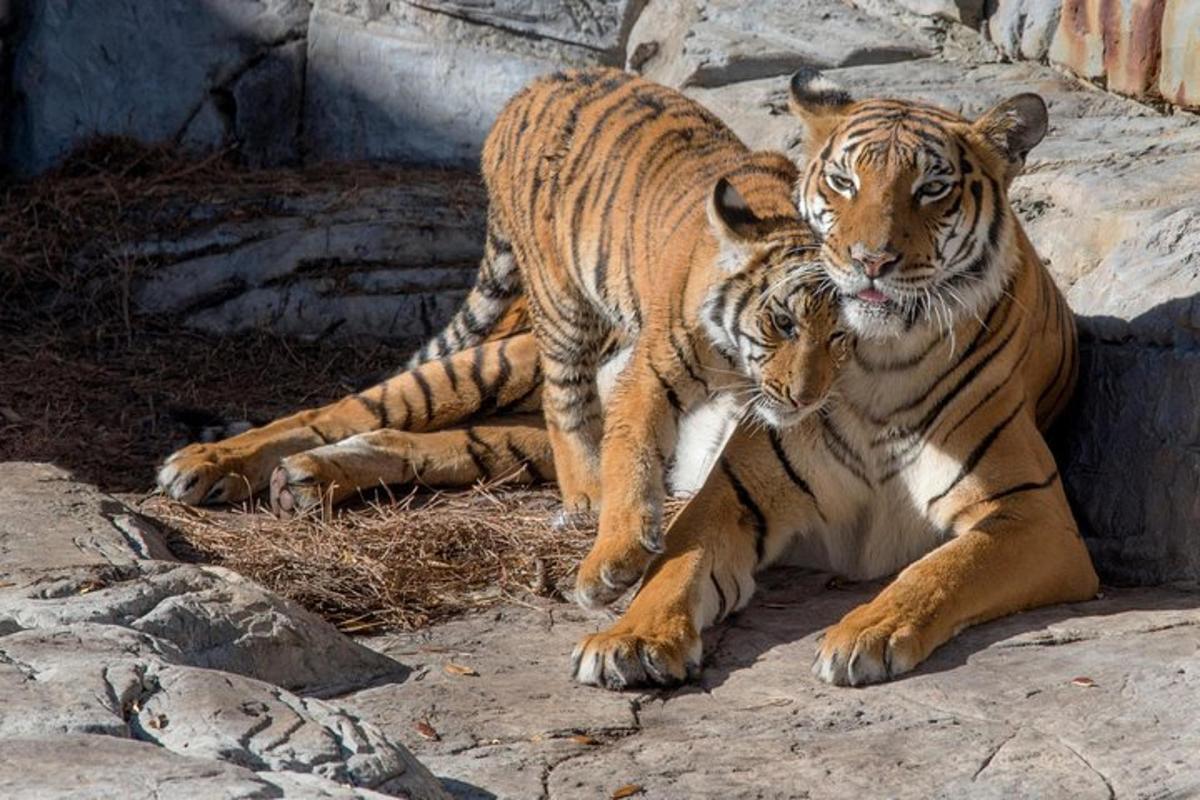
930	461
627	226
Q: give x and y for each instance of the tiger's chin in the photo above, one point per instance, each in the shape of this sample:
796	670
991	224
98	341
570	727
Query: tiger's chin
872	320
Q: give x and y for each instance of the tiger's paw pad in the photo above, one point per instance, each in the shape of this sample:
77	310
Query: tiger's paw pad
626	660
293	490
867	648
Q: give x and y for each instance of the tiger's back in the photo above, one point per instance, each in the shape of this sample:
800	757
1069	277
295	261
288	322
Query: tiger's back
594	174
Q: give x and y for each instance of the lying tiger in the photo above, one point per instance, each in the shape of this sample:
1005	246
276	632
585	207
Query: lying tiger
630	228
930	461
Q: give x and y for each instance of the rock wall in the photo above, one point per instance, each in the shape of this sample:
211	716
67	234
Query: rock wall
1148	49
281	81
422	82
203	74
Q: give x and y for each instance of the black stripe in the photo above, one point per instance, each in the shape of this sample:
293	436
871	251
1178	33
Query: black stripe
794	476
1028	486
320	434
684	360
842	451
977	454
377	409
758	521
450	374
668	389
722	607
524	458
426	392
474	446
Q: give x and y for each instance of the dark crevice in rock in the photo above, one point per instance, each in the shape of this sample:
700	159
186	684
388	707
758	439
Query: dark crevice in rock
753	69
987	760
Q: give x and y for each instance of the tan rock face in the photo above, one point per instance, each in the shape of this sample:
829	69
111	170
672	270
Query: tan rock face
1140	48
1179	73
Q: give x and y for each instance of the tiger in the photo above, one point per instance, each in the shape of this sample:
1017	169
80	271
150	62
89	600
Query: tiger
930	463
628	229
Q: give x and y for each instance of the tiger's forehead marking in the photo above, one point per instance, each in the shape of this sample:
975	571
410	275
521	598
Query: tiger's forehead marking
899	134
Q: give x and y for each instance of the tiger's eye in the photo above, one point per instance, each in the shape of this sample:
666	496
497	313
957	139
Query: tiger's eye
784	324
932	190
840	183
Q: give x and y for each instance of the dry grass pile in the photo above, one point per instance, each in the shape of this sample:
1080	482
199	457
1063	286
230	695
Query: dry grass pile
399	563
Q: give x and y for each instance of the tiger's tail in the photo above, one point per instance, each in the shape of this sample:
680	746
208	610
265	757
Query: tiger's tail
486	306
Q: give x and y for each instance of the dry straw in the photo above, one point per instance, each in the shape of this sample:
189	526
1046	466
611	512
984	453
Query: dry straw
397	562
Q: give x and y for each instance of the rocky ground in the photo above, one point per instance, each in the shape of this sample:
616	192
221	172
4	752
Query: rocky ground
167	679
151	678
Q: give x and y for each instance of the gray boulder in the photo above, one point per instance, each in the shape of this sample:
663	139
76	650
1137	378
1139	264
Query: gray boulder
103	639
716	42
1023	29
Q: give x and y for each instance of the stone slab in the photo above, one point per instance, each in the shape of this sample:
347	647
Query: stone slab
422	82
993	714
391	260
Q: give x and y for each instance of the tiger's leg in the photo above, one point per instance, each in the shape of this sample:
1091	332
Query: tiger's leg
1016	546
495	376
640	432
571	403
514	448
713	548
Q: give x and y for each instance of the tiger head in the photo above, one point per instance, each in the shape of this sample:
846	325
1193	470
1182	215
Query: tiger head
910	202
773	312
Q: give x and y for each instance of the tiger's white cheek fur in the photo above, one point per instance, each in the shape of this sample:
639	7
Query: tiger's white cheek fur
816	213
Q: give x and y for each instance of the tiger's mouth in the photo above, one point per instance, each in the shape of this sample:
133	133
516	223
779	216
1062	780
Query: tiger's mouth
873	297
874	301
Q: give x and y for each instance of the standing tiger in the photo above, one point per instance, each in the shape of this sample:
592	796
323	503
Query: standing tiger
930	461
629	226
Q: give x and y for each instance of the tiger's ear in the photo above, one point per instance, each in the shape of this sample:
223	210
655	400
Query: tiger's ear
819	103
733	224
1013	128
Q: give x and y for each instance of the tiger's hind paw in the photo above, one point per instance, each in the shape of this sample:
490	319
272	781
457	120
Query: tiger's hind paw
295	489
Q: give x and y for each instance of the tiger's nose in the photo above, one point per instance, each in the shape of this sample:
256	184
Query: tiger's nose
876	263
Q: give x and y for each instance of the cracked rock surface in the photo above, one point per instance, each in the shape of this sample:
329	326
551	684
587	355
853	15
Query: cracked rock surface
200	681
1082	701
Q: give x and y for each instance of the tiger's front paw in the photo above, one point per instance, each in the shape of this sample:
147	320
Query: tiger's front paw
630	655
205	474
873	643
617	561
